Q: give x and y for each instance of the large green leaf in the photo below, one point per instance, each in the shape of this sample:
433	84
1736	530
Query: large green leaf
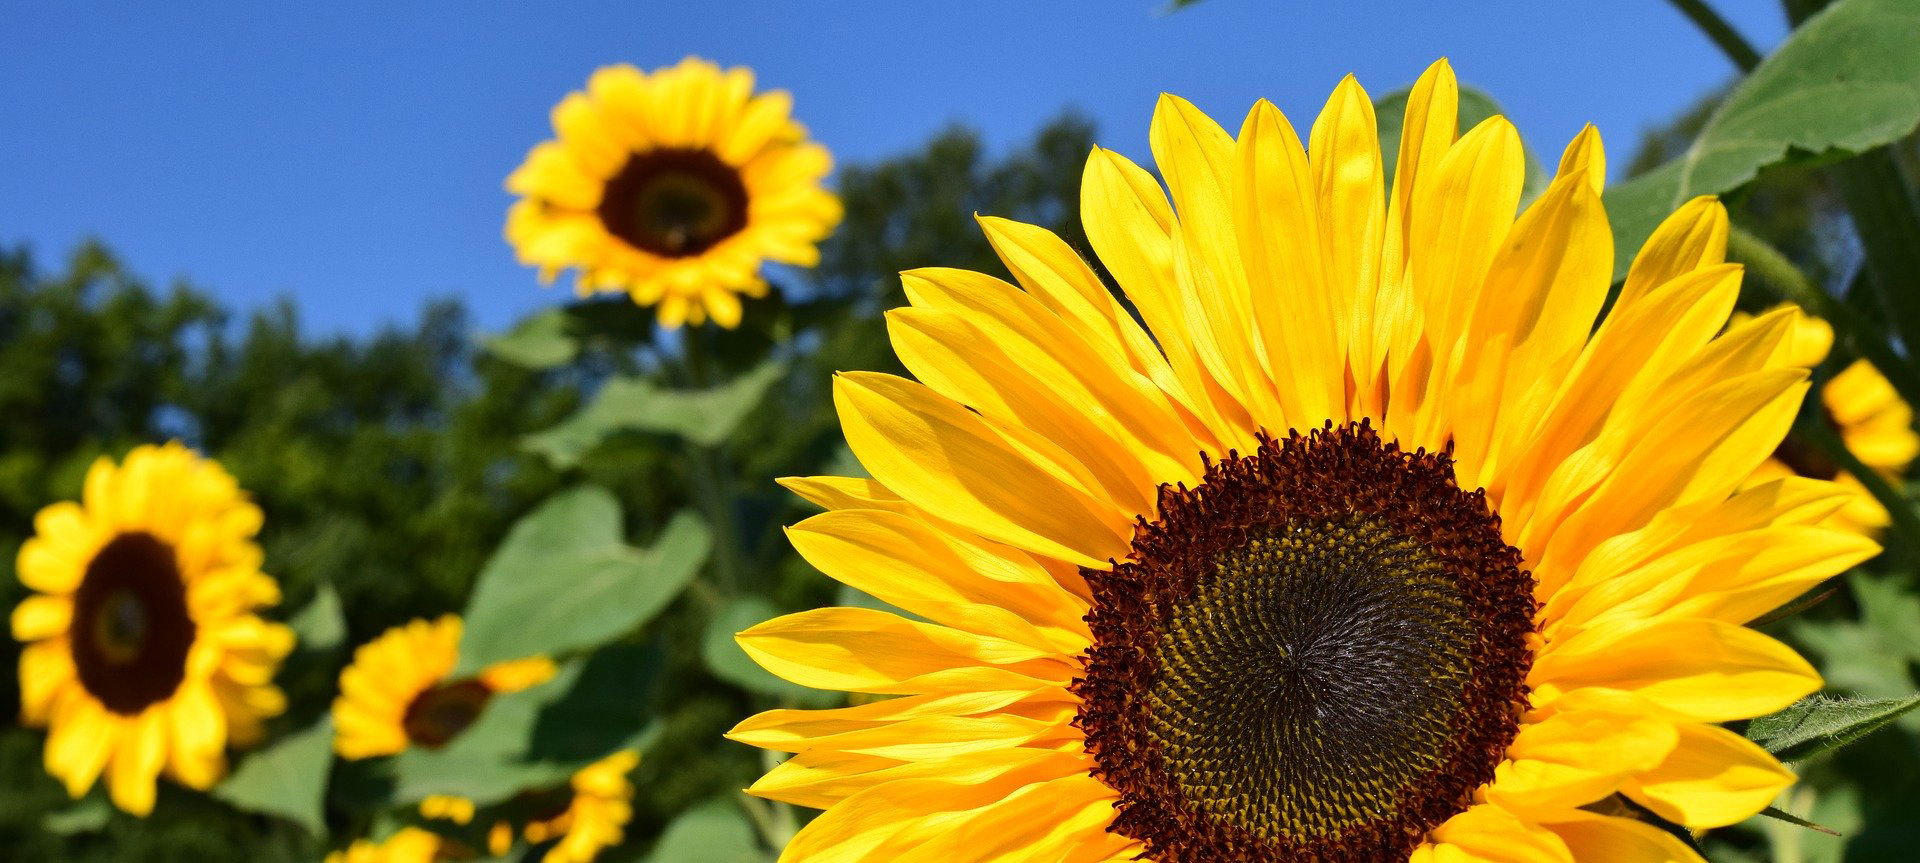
728	662
565	580
288	779
1390	114
539	342
1846	81
1817	723
705	417
710	832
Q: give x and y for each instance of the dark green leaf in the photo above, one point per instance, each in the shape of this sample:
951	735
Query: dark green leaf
539	342
728	662
288	779
1390	114
1845	82
705	417
1817	723
710	832
565	579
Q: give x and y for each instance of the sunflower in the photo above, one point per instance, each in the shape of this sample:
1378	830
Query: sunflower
406	845
672	187
1869	416
596	813
397	693
1367	546
144	652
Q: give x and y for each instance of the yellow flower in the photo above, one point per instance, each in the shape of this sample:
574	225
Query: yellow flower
144	652
596	814
444	807
1368	546
406	845
396	693
673	187
1869	416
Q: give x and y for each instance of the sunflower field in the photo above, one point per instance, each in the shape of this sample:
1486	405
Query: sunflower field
1381	484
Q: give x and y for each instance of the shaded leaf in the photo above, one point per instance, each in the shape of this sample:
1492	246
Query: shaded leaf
1817	723
565	579
728	662
705	417
320	626
87	815
539	342
710	832
1797	821
1390	114
288	779
1846	81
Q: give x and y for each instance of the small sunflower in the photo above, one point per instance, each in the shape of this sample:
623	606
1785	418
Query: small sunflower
673	187
406	845
596	814
396	693
144	652
1375	543
1869	416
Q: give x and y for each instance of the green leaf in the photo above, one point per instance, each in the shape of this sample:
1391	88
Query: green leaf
288	779
1797	821
488	762
320	626
706	417
728	662
710	832
1846	81
539	342
88	815
1390	114
1817	723
565	579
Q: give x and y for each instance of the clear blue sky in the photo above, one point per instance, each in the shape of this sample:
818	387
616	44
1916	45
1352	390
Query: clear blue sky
350	154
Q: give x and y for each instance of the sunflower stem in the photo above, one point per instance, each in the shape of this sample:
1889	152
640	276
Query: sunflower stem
1729	40
710	478
1857	334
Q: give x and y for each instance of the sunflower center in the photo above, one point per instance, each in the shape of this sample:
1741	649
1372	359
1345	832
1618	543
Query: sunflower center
439	714
1807	460
1316	654
674	202
131	628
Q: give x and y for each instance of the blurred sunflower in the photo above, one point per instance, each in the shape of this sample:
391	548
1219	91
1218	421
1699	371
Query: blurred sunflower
144	653
396	692
599	805
1869	416
406	845
673	187
1369	546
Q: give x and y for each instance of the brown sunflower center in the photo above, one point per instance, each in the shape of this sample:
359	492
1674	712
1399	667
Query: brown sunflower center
131	628
1808	460
439	714
674	202
1317	654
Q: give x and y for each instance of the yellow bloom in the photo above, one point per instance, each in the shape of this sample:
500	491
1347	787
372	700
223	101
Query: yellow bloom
396	693
1871	419
406	845
1368	546
444	807
144	652
597	812
673	187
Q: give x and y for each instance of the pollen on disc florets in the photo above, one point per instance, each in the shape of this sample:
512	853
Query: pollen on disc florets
1318	653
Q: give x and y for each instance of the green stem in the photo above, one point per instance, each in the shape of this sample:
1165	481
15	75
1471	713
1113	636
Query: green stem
1857	334
710	478
1731	43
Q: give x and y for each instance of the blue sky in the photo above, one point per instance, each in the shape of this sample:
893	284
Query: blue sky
350	154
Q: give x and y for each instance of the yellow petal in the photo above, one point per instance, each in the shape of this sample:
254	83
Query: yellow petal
198	731
1700	670
1574	758
82	737
1713	778
864	650
1602	839
42	616
1491	834
137	760
1695	236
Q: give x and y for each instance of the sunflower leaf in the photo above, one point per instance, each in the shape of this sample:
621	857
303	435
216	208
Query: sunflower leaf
1846	81
1797	821
539	342
565	580
320	625
710	832
1817	723
287	779
707	417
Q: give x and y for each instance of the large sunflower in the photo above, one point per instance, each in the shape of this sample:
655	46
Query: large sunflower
398	692
144	651
1368	546
1874	423
673	187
